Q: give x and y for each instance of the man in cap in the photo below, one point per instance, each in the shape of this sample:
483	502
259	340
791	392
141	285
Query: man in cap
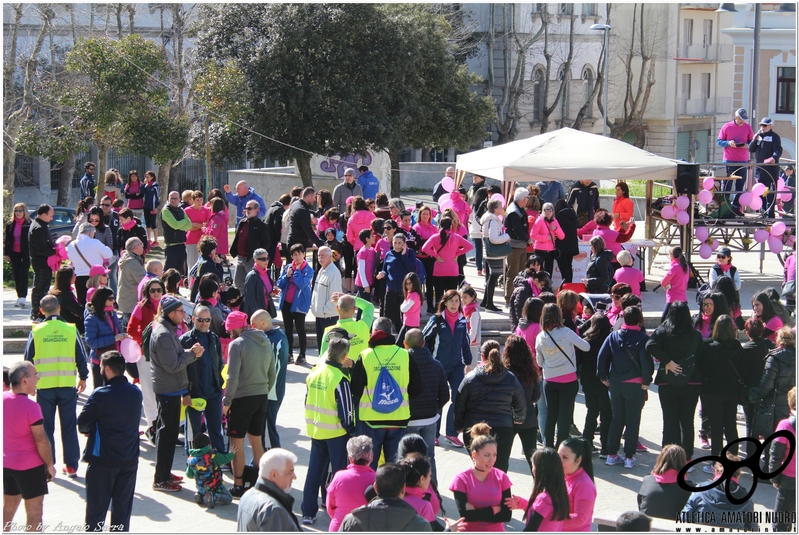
345	190
767	147
734	137
251	374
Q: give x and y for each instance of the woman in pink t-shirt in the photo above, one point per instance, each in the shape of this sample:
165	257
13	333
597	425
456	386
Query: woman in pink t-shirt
345	492
763	310
417	482
548	505
676	280
575	455
482	492
197	213
627	273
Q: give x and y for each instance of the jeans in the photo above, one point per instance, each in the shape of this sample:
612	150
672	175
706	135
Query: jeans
515	264
478	253
41	284
428	433
384	439
678	404
737	185
363	294
20	264
66	400
785	503
560	407
112	485
504	437
627	400
721	411
290	321
166	433
243	266
597	404
321	324
113	277
333	451
175	257
454	378
213	422
543	410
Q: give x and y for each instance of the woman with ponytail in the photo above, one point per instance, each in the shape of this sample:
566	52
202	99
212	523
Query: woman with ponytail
445	248
491	394
482	492
676	280
143	315
519	360
575	455
547	509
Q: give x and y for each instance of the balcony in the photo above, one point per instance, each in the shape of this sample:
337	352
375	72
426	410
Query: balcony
705	54
704	107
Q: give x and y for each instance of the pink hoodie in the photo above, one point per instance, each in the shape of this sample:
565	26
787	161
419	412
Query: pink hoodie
359	220
345	492
217	227
543	236
456	245
459	206
582	497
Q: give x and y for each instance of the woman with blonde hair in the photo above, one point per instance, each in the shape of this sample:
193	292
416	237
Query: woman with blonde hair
660	495
15	245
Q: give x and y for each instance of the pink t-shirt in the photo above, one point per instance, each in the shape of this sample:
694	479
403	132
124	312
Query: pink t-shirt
790	470
582	497
774	324
383	245
19	447
790	268
200	215
543	506
345	492
414	496
487	493
368	272
529	334
678	278
412	318
742	135
17	247
631	276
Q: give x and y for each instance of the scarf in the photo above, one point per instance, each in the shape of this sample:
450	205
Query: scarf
108	312
667	477
300	267
631	327
706	319
211	300
381	338
154	302
469	309
134	187
451	319
265	278
725	267
129	225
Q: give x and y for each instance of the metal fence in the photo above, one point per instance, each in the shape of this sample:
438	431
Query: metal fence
23	172
80	160
124	162
191	175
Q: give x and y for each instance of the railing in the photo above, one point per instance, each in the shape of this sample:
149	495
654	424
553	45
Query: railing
700	107
706	53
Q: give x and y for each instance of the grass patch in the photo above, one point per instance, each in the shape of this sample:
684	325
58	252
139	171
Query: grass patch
638	189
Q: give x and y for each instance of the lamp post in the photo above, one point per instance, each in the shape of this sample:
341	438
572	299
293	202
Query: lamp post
604	28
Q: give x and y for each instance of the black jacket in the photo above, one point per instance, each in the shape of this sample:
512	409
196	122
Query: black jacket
436	392
112	221
214	357
675	348
385	514
517	227
661	500
122	235
600	273
497	399
300	227
532	393
257	237
569	245
207	265
41	244
779	376
718	376
584	199
71	310
770	146
522	291
8	239
754	361
254	297
274	226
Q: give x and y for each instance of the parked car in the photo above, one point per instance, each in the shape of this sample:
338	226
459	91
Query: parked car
63	221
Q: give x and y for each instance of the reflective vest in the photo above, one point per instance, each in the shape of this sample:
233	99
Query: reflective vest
360	336
399	368
54	342
321	411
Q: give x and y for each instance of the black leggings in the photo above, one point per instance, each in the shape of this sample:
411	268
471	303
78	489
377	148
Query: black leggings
429	263
442	284
528	437
547	260
290	321
20	264
565	266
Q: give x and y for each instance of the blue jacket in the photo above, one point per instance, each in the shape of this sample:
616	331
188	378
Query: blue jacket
396	266
451	350
302	299
615	361
99	334
715	502
240	202
111	419
551	192
280	347
87	186
369	184
198	379
152	195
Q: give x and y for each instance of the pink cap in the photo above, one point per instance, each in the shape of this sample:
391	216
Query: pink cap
98	270
236	320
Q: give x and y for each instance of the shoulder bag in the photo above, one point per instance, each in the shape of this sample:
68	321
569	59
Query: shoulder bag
741	388
496	250
561	350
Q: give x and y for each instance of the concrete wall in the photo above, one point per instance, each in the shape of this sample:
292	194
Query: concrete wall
424	175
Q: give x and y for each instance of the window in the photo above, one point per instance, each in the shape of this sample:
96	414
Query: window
565	9
706	85
538	93
786	89
686	86
707	32
589	10
688	32
588	87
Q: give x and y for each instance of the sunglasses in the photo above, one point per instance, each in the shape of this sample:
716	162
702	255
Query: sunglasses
106	205
707	305
721	256
251	208
202	320
262	259
19	211
156	290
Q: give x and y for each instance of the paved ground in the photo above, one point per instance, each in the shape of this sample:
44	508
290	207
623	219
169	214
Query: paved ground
161	512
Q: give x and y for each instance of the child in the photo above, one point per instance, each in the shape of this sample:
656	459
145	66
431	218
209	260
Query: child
366	264
411	307
233	298
329	221
523	289
541	283
529	326
627	273
112	183
117	205
204	465
548	505
473	320
152	199
335	246
417	482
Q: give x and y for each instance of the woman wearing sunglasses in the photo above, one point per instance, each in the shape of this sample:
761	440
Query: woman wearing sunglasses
15	244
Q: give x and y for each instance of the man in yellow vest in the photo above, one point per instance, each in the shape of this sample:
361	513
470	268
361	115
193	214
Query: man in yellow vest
347	306
330	419
384	378
56	350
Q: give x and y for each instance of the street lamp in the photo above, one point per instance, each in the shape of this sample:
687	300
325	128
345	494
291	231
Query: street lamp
604	28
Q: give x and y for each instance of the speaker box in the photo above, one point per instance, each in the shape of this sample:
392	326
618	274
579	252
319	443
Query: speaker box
687	182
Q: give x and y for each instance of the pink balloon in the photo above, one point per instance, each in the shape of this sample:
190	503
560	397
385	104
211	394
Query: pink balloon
745	198
715	244
683	202
756	203
500	197
683	218
778	229
701	233
130	350
448	183
705	251
705	196
780	184
761	235
633	250
667	211
445	203
708	183
775	245
758	189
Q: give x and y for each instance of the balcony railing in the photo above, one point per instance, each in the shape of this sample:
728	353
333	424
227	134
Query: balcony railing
702	107
706	53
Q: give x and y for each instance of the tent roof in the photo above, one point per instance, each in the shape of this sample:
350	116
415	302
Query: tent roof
567	154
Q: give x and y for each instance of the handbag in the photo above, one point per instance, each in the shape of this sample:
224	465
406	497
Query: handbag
764	417
496	250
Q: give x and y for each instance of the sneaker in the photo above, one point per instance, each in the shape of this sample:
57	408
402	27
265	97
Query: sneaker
492	308
454	441
198	498
237	491
479	272
175	479
167	486
291	359
692	467
603	454
629	462
70	472
573	431
709	469
640	447
308	520
438	443
300	360
178	444
539	439
703	443
154	243
613	460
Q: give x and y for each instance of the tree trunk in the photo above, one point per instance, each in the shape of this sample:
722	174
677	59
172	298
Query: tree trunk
304	168
163	181
9	157
102	162
65	180
426	154
393	156
174	178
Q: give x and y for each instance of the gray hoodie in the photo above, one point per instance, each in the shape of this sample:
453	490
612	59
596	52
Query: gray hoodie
251	366
168	359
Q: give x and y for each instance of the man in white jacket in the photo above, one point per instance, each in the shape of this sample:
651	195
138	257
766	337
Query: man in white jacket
85	252
328	282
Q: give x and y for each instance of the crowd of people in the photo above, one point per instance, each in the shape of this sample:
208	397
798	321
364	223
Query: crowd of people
367	267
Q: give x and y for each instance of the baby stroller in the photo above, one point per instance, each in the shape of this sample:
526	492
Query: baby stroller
227	271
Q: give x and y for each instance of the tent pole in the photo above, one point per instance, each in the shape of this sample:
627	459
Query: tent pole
460	175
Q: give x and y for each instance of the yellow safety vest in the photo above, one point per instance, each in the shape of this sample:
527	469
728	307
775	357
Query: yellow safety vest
360	336
321	411
399	368
54	343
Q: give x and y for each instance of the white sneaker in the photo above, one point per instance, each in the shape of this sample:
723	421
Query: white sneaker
20	303
709	469
613	460
629	462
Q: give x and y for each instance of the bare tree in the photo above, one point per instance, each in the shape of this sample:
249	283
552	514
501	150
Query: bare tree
565	79
598	88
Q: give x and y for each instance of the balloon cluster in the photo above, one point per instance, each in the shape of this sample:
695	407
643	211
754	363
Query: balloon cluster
678	210
709	244
773	236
